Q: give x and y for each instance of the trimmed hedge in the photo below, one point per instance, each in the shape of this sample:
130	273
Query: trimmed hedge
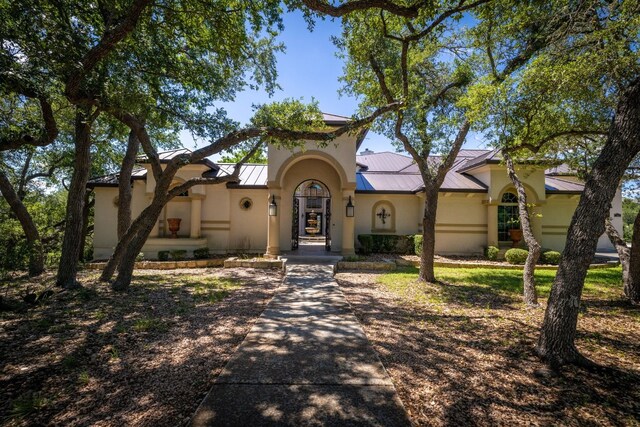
386	243
163	256
178	254
491	253
550	257
516	256
417	244
202	253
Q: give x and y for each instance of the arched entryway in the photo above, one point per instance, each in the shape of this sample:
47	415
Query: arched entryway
311	216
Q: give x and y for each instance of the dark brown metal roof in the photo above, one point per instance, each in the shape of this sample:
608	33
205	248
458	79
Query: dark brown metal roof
112	180
561	186
167	156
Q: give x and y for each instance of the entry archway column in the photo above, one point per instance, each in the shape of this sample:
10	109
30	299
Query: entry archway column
348	225
492	224
196	216
273	234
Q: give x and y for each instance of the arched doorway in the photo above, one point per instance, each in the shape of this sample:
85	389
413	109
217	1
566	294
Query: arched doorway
311	216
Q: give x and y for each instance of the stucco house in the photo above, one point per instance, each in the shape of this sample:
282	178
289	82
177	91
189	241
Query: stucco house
333	194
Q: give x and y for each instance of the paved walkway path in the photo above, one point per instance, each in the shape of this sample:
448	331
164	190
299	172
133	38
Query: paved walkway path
306	361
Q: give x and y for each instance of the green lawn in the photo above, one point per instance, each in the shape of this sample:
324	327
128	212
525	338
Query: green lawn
600	283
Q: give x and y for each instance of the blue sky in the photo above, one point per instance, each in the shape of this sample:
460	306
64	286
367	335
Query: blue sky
310	69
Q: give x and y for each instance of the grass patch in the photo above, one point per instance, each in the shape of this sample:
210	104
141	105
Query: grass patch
474	282
70	363
213	290
28	404
150	324
84	378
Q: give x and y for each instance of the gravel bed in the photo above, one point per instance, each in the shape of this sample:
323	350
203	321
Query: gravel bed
146	357
460	355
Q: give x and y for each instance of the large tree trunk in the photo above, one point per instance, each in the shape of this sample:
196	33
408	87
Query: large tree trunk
427	273
71	244
124	184
36	255
528	274
143	226
621	248
632	285
556	343
86	213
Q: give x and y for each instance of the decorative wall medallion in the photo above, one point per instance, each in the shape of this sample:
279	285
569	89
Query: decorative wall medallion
246	204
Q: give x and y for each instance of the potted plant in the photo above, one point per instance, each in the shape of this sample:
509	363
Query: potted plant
515	232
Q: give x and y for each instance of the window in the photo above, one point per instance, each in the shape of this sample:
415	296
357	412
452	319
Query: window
508	210
509	198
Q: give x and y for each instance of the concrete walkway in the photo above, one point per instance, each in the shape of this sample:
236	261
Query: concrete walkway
306	361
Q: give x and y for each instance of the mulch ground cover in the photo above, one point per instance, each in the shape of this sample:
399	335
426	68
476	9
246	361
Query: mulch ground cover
461	352
145	357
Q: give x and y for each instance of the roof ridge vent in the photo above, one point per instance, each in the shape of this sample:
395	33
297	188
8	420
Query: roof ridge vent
366	152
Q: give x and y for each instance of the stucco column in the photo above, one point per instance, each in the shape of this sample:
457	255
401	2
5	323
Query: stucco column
492	225
348	225
196	217
273	235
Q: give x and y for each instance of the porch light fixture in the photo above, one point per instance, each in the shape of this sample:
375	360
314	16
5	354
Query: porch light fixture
273	208
350	208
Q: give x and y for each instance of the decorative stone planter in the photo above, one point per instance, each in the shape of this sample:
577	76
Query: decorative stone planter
174	226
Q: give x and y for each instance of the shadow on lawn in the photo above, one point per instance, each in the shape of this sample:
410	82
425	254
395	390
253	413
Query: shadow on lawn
478	368
144	356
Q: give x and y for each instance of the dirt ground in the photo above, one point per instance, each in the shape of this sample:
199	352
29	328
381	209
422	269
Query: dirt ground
146	357
463	355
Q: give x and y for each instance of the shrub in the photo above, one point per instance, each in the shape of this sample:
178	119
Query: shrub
366	243
140	257
491	253
550	257
417	244
386	243
163	256
178	254
202	253
516	256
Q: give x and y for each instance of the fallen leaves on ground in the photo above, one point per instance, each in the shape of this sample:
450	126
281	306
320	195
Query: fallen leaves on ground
464	355
145	357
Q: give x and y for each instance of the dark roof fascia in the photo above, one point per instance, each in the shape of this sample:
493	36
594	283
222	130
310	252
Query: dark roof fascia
384	192
478	165
497	162
562	192
413	192
115	184
462	190
236	186
206	162
336	123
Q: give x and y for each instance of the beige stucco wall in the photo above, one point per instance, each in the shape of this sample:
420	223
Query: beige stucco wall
216	223
248	231
461	224
105	234
340	153
404	216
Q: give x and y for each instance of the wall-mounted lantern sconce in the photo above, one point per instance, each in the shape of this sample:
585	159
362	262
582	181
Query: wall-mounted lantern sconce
350	208
273	208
